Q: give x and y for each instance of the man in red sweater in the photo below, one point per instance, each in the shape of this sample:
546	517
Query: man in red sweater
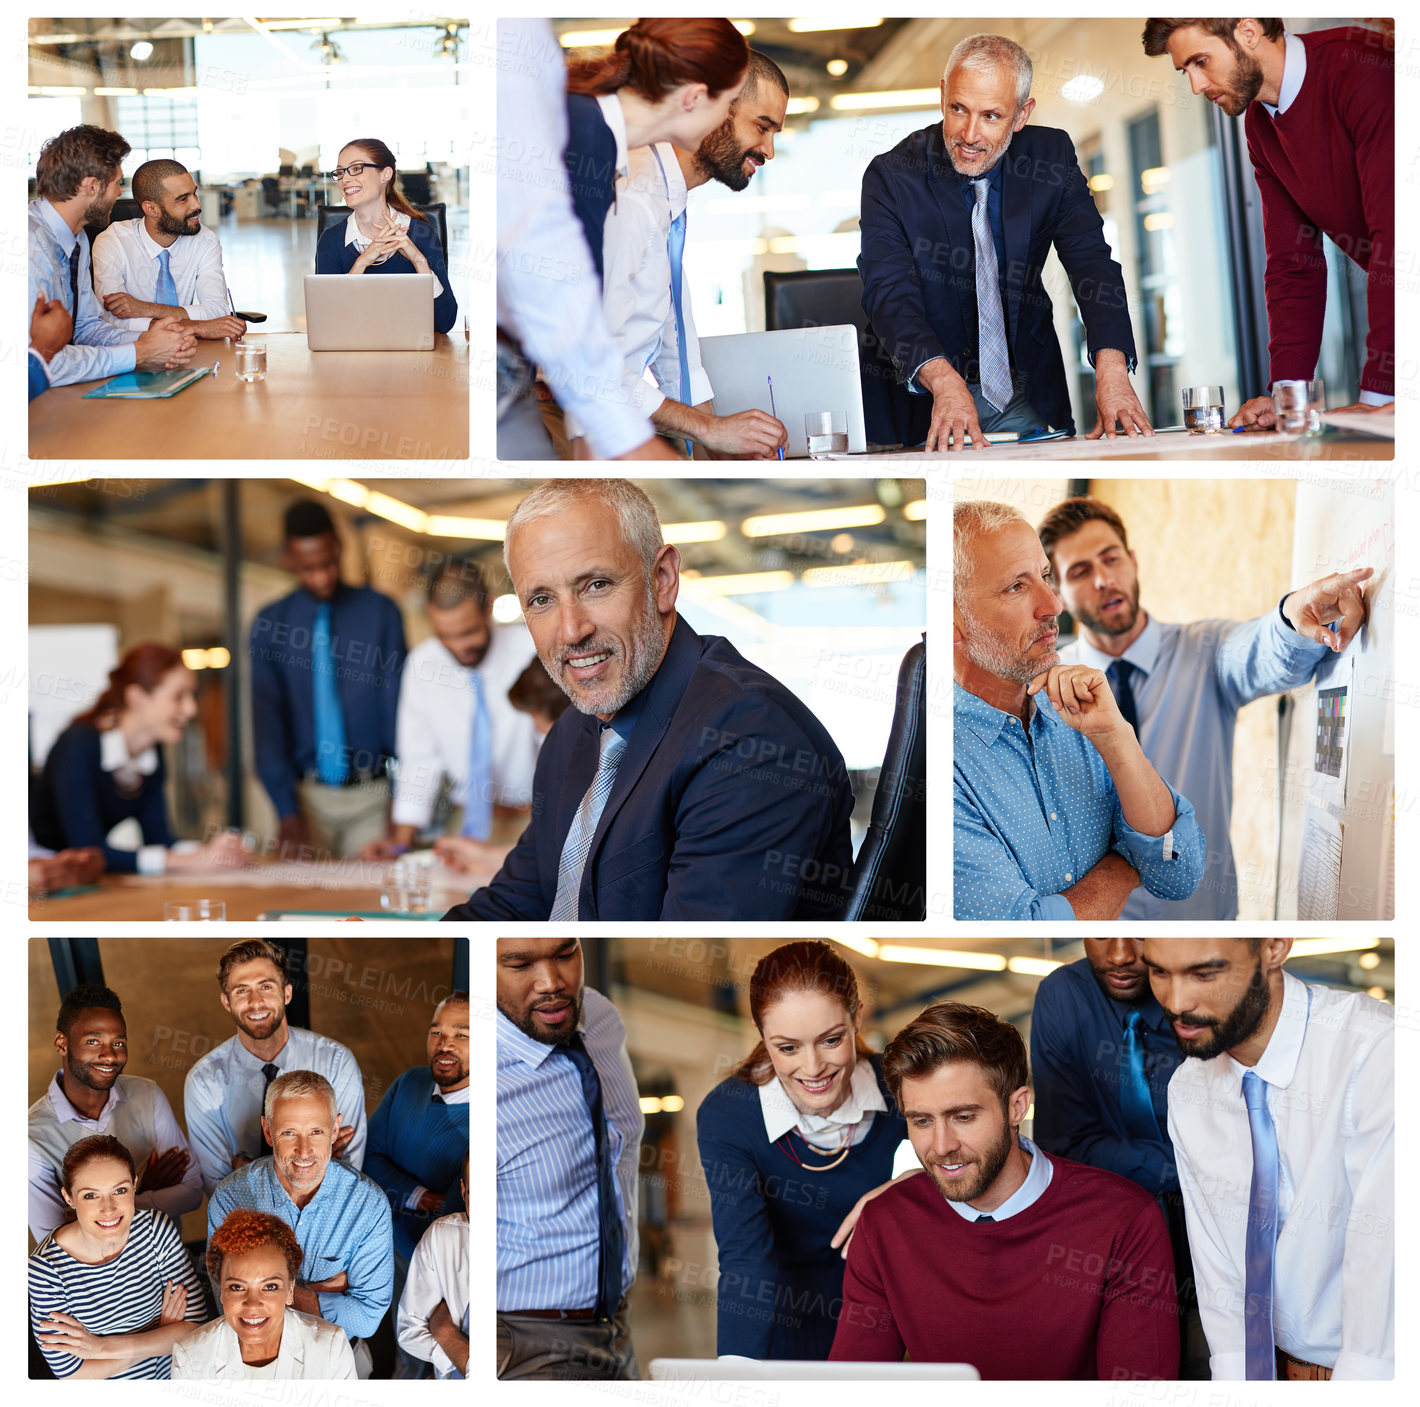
1321	136
1020	1264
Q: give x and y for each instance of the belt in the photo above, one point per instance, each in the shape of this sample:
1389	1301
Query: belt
549	1313
352	779
1297	1370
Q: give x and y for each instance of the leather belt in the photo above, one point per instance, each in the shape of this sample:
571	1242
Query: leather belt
1298	1370
550	1313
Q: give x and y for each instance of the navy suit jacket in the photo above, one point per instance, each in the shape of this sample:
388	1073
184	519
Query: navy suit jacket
591	168
918	263
730	802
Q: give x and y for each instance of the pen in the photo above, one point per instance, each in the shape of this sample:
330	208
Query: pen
772	411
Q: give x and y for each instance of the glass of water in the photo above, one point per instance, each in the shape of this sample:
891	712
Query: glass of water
826	432
196	911
408	887
251	360
1299	406
1203	410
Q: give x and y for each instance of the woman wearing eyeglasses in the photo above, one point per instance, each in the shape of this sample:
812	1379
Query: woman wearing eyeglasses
384	234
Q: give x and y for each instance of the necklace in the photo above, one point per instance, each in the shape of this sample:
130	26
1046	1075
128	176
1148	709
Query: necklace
845	1149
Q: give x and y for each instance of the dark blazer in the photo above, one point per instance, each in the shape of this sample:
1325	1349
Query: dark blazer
591	167
730	802
334	256
781	1283
918	263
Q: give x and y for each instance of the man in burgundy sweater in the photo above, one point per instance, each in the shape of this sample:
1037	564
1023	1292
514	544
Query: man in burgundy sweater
1321	135
1020	1264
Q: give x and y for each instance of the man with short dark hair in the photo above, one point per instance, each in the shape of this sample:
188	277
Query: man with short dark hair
225	1092
687	783
163	263
457	732
1321	137
77	179
1181	686
325	666
1283	1124
1023	1265
92	1095
645	297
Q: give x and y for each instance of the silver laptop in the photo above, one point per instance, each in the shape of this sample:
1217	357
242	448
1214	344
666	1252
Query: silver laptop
814	369
733	1368
372	313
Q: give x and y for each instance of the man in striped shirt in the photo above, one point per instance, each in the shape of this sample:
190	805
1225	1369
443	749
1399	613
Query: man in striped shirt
569	1140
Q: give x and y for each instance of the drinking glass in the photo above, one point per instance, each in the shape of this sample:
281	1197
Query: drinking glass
826	432
1203	410
195	911
1299	405
251	360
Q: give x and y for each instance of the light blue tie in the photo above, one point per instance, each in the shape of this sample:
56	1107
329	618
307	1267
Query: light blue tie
331	765
167	289
992	352
578	844
478	797
1261	1248
1135	1101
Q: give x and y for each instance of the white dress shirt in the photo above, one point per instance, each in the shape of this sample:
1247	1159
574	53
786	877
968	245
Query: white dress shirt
310	1348
438	1270
825	1131
636	293
126	261
434	727
548	296
1330	1079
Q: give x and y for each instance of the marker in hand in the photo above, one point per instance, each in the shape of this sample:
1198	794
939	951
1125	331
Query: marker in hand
772	410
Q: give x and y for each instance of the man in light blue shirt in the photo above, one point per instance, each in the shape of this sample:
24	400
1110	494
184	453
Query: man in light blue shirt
1057	812
340	1216
1184	684
569	1142
77	180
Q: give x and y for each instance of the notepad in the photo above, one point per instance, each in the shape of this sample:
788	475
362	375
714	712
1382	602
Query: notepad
146	385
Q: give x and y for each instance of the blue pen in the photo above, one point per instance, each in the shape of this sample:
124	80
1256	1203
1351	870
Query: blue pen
772	411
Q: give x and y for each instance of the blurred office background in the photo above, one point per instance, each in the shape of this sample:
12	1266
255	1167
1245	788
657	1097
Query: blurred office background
821	583
1169	173
685	1005
258	110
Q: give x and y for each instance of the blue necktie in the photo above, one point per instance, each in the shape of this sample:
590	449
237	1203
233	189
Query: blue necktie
331	766
478	795
991	349
1120	675
578	844
74	278
1135	1100
611	1231
167	289
1262	1216
676	247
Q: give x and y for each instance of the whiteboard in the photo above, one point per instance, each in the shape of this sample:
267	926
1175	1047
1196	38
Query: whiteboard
69	667
1339	526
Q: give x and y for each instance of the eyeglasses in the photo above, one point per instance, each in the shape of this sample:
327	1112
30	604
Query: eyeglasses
354	169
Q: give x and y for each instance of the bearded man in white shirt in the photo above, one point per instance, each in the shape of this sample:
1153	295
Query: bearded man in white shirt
1283	1127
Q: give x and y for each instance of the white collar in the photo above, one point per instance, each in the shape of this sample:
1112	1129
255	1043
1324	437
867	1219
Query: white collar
1278	1063
151	247
656	175
1026	1195
1294	70
113	755
781	1114
1143	653
352	228
610	105
458	1096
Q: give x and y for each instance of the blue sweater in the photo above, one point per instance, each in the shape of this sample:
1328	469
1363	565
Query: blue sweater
413	1142
781	1283
76	803
334	256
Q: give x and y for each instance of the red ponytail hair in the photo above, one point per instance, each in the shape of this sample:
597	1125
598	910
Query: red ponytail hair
654	56
145	665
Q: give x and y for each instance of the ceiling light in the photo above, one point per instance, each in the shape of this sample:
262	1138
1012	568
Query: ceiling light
219	658
406	515
1103	182
1032	967
1369	961
867	946
915	511
115	92
1083	88
141	50
816	520
942	957
745	27
1160	220
800	105
861	574
54	39
819	26
693	532
738	583
1318	947
507	609
484	529
53	92
904	97
837	67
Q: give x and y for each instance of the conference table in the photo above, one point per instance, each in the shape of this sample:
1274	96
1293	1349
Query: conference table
314	892
312	405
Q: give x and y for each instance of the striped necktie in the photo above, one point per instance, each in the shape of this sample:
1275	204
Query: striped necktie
991	349
578	844
1260	1248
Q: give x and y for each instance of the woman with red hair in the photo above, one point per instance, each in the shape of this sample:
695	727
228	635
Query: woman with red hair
107	766
253	1259
665	80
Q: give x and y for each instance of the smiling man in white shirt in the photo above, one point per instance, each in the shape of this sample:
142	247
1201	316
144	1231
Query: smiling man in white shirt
1283	1127
164	263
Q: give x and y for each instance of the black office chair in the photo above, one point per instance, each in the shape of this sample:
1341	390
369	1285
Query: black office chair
889	880
272	194
328	216
832	298
125	208
416	186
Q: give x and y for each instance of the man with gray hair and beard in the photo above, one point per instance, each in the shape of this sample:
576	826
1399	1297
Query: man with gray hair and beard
1057	812
686	783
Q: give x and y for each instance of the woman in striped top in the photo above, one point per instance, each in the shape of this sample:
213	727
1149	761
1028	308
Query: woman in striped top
112	1291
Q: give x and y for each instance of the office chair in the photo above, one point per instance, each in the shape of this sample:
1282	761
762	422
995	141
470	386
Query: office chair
329	215
889	879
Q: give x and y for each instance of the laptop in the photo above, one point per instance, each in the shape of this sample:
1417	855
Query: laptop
733	1368
372	313
814	369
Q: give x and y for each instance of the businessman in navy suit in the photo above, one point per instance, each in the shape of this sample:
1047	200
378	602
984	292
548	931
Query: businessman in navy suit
686	783
957	222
